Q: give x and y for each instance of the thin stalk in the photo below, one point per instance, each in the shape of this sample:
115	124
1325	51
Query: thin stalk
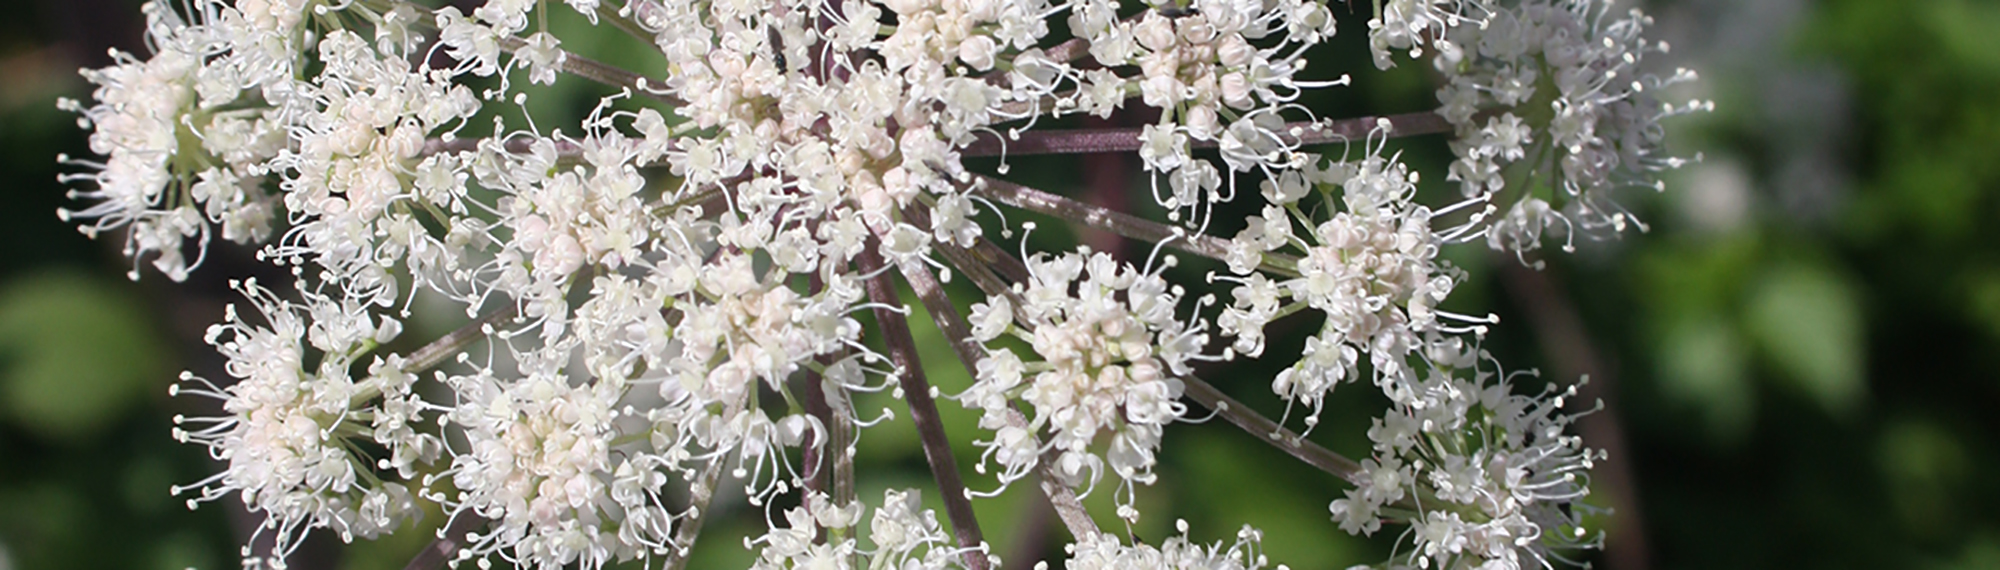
700	495
984	278
842	442
1121	223
1070	49
1043	104
923	409
573	64
429	355
597	71
565	150
1061	498
839	425
989	267
620	21
1126	139
449	540
1325	459
812	455
1001	262
830	468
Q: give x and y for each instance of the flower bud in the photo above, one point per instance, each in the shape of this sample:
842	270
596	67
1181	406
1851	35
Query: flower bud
1236	52
977	52
1155	32
1236	90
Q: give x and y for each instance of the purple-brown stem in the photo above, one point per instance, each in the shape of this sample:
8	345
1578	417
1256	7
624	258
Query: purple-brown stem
700	495
429	355
1243	417
1566	340
895	329
1120	223
1105	177
1126	139
813	455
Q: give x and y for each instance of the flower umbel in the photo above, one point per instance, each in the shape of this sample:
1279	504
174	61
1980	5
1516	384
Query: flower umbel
665	296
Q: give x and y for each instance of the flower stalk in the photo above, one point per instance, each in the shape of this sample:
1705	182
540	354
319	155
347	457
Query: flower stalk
917	393
1127	139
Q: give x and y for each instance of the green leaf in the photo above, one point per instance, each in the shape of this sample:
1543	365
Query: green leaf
1703	365
1924	467
75	353
1807	319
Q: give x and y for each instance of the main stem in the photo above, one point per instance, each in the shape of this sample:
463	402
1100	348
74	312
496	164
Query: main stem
923	409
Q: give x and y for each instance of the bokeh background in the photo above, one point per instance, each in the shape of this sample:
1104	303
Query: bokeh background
1800	359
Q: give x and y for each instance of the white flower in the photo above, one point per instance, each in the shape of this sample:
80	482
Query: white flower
1163	149
543	57
991	318
978	52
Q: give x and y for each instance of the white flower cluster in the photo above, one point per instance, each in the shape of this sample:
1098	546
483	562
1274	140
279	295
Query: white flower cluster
1487	478
543	459
1111	352
292	428
904	534
1104	552
664	296
183	148
1198	64
1370	268
1553	112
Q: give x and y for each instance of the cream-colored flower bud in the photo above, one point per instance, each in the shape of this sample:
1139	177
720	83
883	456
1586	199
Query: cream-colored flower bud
1236	52
1235	91
905	7
977	52
1202	122
1155	32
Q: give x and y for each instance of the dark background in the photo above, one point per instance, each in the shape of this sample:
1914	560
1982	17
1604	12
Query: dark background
1799	359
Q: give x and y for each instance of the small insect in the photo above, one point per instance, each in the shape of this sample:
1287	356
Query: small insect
777	40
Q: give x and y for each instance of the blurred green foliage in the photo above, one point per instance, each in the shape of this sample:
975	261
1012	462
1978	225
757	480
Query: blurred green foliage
76	353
